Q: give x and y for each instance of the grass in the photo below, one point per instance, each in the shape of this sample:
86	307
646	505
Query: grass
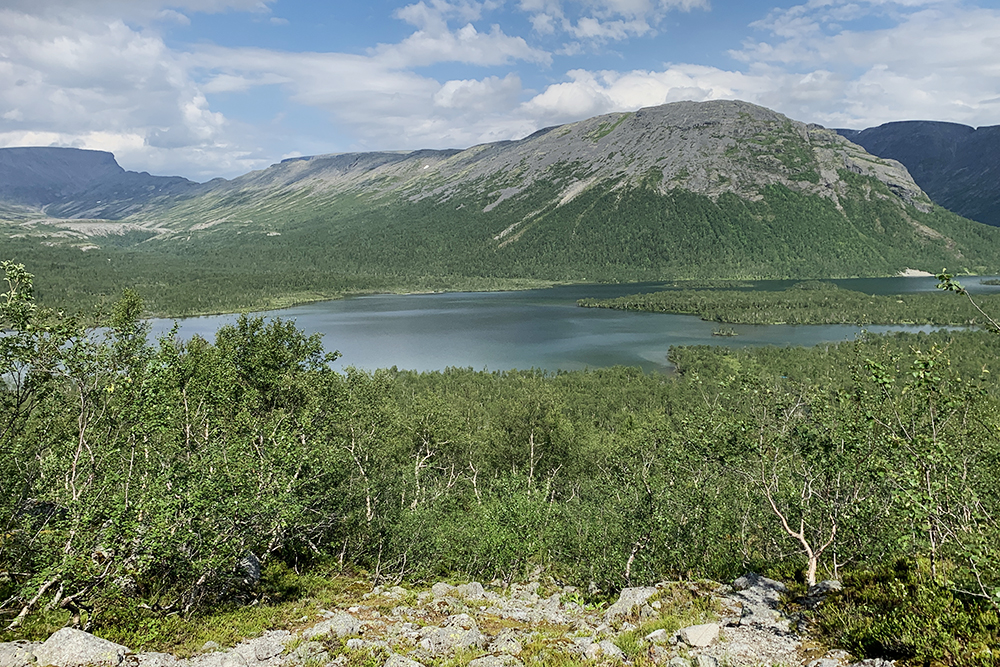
680	604
288	601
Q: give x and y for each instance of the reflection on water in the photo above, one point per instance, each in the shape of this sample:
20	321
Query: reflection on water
535	328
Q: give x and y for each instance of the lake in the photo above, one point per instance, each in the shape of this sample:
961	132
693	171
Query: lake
542	329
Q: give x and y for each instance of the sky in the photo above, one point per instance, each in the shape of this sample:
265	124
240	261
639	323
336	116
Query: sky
217	88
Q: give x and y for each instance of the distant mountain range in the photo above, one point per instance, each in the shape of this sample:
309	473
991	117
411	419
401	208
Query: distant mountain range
686	190
75	183
956	165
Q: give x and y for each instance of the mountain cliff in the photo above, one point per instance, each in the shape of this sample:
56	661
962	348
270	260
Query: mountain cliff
703	190
957	165
76	183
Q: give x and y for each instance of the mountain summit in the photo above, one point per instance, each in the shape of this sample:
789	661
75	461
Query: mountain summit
716	189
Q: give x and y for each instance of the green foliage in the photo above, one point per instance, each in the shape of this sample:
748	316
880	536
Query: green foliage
900	611
808	302
500	233
143	480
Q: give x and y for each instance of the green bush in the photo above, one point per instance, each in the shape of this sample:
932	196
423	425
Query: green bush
900	612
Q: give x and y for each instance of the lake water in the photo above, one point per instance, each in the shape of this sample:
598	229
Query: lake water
542	329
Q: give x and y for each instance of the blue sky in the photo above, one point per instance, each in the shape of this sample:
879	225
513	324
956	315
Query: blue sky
207	88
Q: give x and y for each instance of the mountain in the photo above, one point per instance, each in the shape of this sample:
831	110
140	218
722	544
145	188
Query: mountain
686	190
957	165
76	183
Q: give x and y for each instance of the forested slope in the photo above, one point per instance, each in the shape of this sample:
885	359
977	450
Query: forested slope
138	479
723	190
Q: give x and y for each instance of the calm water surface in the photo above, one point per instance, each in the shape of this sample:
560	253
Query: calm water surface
535	328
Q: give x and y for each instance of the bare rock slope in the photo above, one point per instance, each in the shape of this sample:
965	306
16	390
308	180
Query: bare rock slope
498	627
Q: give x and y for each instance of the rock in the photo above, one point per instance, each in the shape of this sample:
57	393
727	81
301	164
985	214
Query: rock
459	631
311	652
339	625
506	642
17	654
579	645
549	604
157	660
210	646
265	650
817	593
629	599
496	661
441	589
354	644
760	596
753	580
604	649
706	661
611	650
396	660
660	655
700	636
72	648
660	636
678	661
249	567
825	587
471	591
824	662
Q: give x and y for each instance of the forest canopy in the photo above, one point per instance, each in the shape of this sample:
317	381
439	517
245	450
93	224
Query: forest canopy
167	472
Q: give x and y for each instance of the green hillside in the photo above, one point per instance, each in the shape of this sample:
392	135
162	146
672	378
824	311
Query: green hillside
722	190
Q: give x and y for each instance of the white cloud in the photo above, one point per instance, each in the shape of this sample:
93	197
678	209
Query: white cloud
937	60
592	93
435	44
172	16
603	20
93	83
99	74
479	96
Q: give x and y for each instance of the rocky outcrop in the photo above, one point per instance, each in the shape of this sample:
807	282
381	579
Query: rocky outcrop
74	648
957	165
76	183
492	626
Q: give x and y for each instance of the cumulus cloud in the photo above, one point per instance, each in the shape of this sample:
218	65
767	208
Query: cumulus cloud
592	93
937	59
100	74
437	43
603	20
132	9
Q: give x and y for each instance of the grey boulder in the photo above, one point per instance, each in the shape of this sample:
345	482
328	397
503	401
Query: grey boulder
629	603
341	624
17	654
75	648
458	631
700	636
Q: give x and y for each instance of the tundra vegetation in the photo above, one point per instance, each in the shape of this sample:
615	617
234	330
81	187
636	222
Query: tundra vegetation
143	482
809	302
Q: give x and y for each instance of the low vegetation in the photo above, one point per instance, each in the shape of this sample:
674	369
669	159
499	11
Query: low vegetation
142	483
810	302
348	244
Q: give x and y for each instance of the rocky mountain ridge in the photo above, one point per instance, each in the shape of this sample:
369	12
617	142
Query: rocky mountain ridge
707	148
956	165
710	190
503	626
77	183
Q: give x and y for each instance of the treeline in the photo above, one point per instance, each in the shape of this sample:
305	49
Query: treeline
160	474
302	246
811	302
